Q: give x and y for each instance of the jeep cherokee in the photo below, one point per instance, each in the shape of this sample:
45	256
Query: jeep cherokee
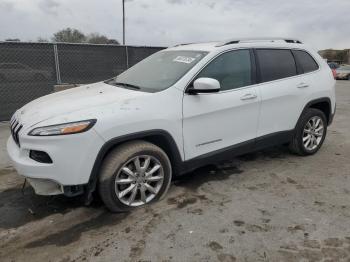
177	110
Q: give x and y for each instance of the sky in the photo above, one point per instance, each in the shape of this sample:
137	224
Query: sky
319	23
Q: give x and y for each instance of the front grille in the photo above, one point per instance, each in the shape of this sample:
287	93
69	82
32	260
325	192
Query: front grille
15	128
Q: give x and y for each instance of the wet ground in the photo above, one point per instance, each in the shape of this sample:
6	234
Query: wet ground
266	206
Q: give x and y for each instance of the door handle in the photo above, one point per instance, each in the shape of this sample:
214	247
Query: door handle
248	96
302	85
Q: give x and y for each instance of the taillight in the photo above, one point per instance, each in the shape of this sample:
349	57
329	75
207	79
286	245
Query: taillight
334	73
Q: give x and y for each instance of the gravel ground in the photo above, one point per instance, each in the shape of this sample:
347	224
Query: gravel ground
266	206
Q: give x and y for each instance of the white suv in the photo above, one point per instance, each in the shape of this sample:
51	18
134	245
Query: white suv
178	109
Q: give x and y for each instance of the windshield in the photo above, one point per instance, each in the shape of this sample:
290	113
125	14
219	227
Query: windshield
158	71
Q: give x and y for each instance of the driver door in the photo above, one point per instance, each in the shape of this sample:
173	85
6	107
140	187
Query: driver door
222	120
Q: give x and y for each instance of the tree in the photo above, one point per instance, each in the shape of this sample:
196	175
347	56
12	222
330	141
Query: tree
96	38
42	40
12	40
113	42
69	35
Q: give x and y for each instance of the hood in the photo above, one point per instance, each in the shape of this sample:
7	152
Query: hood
71	100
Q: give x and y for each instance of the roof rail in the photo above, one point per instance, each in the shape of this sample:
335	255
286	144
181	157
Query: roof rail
183	44
263	39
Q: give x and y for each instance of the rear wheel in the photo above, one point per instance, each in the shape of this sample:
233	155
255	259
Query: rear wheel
134	174
310	132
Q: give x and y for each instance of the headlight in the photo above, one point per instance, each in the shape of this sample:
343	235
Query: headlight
63	129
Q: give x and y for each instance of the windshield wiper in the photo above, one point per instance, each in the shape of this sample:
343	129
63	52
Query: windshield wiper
127	85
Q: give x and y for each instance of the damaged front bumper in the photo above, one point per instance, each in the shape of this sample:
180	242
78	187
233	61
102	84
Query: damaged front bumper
48	188
45	187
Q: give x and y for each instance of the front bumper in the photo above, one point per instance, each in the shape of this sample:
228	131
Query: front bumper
73	157
45	187
331	117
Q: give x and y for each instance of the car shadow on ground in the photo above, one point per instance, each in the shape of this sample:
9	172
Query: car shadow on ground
225	169
19	207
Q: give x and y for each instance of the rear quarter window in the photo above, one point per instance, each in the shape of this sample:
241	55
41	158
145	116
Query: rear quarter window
306	61
275	64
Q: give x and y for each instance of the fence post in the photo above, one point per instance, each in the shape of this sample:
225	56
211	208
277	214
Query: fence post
127	56
57	65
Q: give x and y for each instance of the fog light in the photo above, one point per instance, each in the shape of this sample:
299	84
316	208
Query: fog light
40	156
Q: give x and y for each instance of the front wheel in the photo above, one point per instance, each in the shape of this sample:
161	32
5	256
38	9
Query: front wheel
134	174
310	132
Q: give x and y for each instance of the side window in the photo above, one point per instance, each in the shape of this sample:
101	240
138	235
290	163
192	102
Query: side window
275	64
231	69
305	60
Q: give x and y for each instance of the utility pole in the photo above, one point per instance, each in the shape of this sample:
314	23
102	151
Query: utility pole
123	22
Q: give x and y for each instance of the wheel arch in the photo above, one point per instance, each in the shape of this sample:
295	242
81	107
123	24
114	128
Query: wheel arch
324	104
158	137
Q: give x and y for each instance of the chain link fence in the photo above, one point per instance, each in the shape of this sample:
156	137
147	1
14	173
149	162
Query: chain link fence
30	70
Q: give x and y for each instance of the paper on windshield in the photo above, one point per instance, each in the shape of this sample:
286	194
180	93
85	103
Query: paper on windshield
184	59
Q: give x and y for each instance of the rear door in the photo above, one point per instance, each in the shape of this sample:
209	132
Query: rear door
308	67
281	89
217	121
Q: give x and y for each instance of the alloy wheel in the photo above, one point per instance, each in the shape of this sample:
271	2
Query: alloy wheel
139	180
313	133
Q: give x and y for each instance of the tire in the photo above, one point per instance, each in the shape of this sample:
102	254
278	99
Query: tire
305	131
114	181
349	77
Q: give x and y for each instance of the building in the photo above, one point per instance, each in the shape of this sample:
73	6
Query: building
338	56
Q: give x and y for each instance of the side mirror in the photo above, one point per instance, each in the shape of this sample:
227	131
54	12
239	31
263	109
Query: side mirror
205	85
